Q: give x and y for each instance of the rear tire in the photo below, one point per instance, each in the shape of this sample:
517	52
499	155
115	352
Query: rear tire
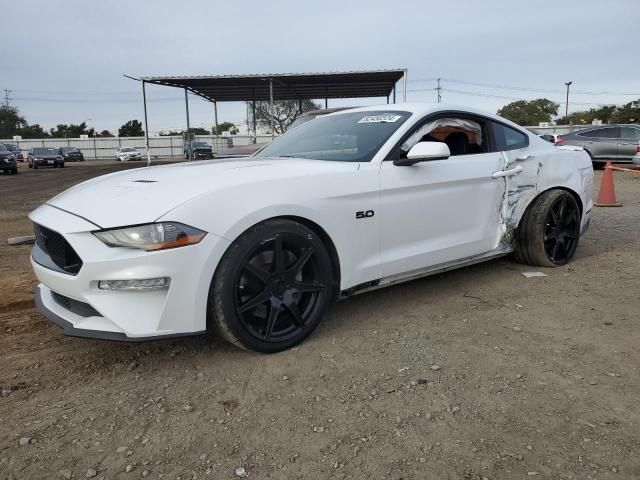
549	230
272	287
15	171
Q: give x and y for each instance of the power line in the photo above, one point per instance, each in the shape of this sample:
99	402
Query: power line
505	97
540	90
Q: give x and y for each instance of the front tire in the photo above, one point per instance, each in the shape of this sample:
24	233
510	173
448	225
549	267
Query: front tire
549	231
272	287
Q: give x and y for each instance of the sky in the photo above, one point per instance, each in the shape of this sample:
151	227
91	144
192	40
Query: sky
65	60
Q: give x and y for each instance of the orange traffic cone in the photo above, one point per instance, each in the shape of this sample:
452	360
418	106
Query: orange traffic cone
607	193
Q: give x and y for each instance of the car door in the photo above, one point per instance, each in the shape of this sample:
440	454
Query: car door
602	143
439	211
628	142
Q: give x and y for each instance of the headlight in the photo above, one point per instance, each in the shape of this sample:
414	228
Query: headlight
152	236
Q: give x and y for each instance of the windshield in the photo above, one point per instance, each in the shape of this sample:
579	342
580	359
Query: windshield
300	121
13	148
3	148
127	149
345	137
45	151
199	145
69	149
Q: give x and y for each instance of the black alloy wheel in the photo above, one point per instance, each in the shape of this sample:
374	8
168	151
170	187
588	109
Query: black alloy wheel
549	230
562	231
272	287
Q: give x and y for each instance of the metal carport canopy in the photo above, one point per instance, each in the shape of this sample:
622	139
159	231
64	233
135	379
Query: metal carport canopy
287	86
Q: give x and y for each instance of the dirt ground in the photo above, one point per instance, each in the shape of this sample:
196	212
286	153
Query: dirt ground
477	373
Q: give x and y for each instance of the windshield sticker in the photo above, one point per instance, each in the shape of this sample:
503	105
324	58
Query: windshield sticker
384	118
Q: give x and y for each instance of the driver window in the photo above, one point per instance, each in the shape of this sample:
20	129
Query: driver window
463	136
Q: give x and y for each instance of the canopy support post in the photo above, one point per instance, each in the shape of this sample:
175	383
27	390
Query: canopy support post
404	86
255	129
300	105
186	104
215	113
271	107
394	93
146	123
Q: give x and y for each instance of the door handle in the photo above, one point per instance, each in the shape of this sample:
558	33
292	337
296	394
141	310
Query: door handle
524	158
507	173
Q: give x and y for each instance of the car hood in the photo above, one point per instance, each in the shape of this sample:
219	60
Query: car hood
47	157
143	195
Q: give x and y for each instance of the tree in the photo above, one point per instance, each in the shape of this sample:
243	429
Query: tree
628	113
71	131
10	121
225	127
133	128
105	133
587	117
284	113
32	131
183	133
531	112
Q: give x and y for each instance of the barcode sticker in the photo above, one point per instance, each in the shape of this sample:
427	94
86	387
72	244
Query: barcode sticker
385	118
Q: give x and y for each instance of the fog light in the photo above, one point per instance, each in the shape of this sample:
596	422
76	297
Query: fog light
144	284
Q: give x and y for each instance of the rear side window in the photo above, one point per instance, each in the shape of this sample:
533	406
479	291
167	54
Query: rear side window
630	133
507	138
601	133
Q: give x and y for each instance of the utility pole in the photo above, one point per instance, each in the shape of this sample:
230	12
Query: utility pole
566	105
438	89
7	97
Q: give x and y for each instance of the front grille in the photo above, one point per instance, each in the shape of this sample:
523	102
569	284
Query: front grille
58	249
75	306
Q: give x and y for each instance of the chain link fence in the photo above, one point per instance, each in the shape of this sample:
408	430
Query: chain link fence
100	148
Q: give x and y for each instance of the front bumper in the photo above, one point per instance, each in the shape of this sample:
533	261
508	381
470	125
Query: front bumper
48	163
636	161
179	310
202	155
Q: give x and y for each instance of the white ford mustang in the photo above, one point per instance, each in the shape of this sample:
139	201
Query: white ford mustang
258	248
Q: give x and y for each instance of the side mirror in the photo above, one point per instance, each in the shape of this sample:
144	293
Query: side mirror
424	152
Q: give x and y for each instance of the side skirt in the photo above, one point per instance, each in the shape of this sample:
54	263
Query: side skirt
424	272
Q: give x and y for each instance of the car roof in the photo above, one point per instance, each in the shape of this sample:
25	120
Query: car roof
425	108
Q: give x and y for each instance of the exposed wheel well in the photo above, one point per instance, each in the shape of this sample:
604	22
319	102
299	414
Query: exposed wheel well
535	199
326	239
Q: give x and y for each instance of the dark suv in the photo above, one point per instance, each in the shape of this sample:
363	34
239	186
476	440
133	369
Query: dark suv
199	150
7	160
618	143
71	154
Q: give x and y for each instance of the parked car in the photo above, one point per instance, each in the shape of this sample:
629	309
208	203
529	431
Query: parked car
7	160
124	154
618	143
258	248
44	157
200	150
246	150
15	150
71	154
